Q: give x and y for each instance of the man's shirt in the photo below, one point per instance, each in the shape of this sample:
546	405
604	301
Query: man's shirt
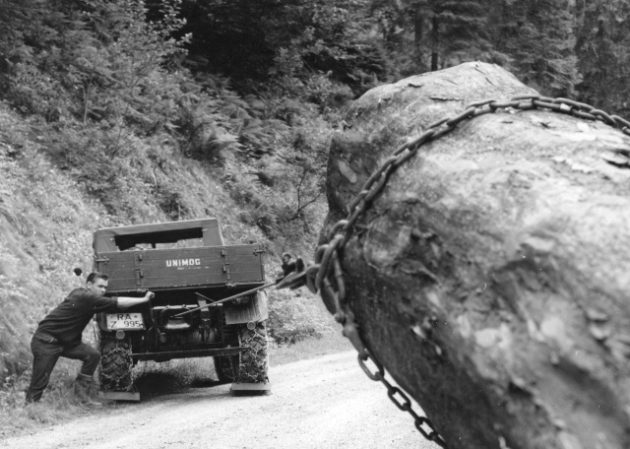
67	321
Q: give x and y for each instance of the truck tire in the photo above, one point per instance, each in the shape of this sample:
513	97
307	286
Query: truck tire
226	368
254	360
116	363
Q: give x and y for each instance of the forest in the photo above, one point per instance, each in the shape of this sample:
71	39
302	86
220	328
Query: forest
173	109
118	112
265	83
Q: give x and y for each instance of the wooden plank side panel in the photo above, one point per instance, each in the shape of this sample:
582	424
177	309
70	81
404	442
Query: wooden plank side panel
245	264
121	269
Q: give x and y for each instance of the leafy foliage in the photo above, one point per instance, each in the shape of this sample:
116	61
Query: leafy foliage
540	37
603	51
293	319
171	109
438	33
464	26
285	42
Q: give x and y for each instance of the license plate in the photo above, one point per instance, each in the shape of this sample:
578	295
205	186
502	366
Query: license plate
124	321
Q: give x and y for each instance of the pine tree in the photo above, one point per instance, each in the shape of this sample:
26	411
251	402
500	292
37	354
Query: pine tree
540	36
603	47
463	27
445	32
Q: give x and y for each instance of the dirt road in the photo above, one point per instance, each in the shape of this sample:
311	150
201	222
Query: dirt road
326	402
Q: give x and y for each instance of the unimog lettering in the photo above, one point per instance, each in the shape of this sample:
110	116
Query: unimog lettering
166	258
183	263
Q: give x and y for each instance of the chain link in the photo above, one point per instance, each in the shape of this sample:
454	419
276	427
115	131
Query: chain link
326	276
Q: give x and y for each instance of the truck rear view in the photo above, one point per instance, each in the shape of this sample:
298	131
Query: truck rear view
188	267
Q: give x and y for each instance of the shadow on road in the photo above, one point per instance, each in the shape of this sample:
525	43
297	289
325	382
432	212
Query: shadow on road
155	384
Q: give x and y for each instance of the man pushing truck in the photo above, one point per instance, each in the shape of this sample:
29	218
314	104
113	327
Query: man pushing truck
59	334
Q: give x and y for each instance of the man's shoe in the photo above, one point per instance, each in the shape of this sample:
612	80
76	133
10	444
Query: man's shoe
82	390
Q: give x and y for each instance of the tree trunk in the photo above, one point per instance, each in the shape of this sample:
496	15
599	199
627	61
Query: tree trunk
491	276
418	32
435	42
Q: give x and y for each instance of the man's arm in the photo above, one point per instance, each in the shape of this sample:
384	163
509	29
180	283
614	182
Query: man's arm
124	302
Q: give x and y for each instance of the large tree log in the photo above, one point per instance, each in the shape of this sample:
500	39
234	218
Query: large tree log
491	277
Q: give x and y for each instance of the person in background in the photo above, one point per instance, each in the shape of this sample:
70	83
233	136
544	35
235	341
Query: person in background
59	334
290	265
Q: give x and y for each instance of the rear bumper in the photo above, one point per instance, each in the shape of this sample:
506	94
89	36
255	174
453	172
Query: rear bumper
189	353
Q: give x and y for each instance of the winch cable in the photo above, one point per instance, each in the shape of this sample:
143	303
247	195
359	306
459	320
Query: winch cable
229	298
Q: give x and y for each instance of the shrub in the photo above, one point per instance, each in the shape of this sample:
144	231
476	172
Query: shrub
294	316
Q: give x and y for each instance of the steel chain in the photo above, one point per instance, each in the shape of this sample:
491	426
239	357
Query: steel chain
326	276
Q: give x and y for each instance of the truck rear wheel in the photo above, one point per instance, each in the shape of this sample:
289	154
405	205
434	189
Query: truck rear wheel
254	360
116	363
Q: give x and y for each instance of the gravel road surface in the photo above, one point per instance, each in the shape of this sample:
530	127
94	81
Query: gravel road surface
326	402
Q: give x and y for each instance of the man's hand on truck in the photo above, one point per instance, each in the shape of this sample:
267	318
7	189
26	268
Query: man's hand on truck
124	302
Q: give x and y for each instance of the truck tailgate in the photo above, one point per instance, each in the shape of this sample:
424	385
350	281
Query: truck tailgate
181	267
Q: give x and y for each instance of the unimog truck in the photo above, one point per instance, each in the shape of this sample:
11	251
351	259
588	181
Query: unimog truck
188	267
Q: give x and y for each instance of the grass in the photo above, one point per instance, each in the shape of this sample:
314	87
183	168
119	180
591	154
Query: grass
152	379
57	405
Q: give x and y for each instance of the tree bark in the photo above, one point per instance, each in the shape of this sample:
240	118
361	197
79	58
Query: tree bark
491	276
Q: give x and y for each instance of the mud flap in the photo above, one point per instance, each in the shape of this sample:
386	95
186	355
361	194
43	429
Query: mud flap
241	388
130	396
255	311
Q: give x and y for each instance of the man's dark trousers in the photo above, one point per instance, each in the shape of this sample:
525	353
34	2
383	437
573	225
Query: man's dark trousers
46	352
